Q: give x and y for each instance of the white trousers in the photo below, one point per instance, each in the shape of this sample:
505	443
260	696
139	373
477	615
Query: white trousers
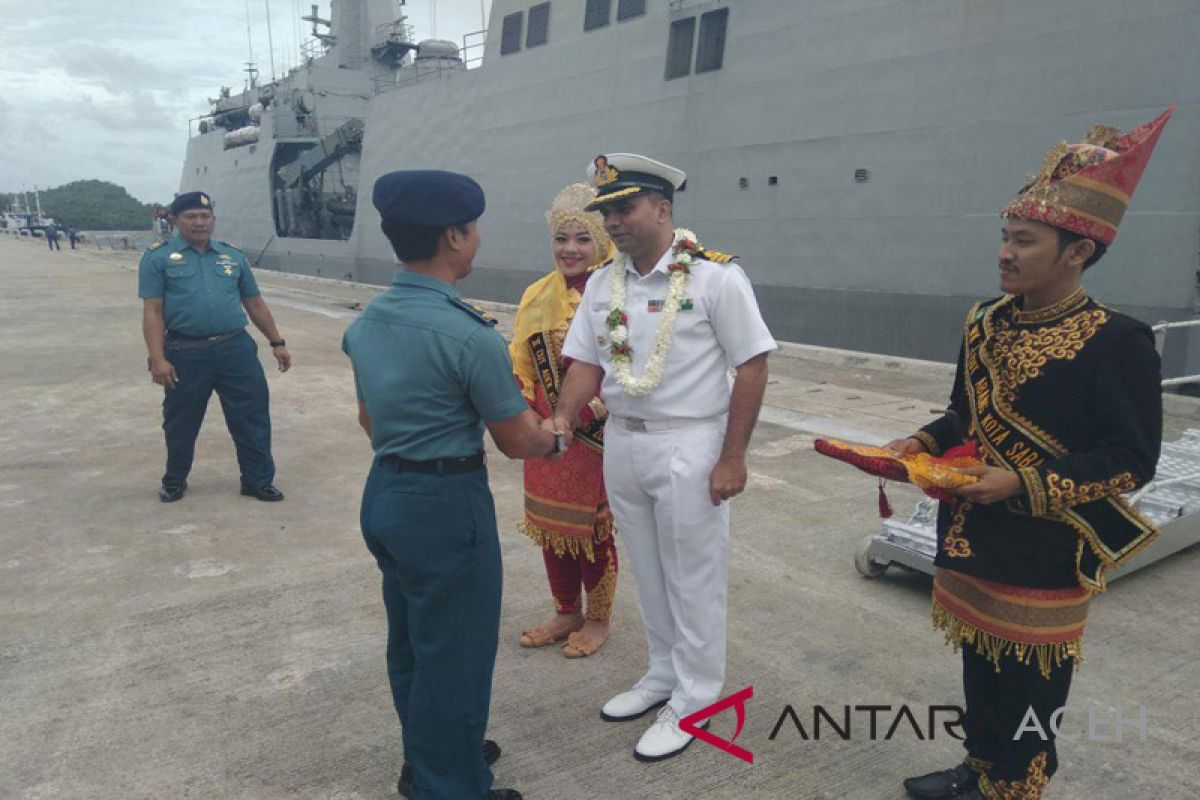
676	542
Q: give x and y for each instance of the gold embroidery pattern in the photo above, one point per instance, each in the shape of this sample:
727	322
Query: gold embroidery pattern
1065	493
977	765
1069	304
1038	503
930	443
1021	354
1030	788
955	544
600	597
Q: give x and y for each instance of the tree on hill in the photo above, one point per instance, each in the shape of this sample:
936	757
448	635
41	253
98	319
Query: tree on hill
93	206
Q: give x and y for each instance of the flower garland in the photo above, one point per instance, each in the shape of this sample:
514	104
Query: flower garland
686	250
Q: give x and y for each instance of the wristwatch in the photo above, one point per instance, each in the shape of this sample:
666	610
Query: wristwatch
278	343
560	443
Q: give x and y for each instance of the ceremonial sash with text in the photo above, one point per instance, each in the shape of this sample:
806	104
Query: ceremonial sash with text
1111	529
592	434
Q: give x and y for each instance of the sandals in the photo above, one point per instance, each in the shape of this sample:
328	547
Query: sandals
578	647
540	636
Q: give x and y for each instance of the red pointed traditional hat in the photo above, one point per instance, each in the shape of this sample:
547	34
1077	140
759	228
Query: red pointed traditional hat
1085	188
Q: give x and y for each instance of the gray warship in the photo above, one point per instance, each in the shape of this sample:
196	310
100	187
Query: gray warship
853	153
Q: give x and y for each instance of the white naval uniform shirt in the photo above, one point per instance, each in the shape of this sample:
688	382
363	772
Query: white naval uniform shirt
723	329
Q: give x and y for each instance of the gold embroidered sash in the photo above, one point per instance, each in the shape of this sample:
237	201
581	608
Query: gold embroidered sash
1110	527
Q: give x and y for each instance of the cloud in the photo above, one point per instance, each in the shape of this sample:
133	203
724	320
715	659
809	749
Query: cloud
105	90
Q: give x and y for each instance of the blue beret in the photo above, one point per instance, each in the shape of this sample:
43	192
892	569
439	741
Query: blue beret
189	200
428	197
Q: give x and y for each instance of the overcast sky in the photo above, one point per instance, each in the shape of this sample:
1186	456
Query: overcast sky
105	90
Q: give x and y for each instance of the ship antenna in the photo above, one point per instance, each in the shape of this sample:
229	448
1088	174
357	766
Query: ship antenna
270	40
249	46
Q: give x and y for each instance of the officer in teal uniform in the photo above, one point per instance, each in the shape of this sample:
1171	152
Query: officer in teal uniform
196	293
431	373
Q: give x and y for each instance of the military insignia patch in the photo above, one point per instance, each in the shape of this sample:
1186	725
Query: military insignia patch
229	269
716	257
654	306
686	304
175	257
475	311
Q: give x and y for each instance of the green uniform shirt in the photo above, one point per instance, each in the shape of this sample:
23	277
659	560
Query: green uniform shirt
431	370
202	294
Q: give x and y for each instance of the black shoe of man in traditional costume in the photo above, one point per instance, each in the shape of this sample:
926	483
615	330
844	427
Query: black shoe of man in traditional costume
491	754
945	785
268	493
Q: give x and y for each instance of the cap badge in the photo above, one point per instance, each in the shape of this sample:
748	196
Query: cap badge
203	200
605	174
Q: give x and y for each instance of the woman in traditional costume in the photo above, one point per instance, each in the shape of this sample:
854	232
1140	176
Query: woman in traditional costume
566	509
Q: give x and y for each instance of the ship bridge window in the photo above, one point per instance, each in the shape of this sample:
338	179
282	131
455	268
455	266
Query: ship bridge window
538	31
711	52
597	14
628	9
510	33
679	48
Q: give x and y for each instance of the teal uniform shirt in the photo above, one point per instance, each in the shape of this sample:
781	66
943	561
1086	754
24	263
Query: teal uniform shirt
202	294
431	370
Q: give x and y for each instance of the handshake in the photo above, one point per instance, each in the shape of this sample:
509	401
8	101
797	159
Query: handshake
563	437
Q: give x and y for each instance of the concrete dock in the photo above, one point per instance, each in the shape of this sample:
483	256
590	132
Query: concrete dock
224	648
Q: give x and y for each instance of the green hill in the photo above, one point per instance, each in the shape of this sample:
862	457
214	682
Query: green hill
93	206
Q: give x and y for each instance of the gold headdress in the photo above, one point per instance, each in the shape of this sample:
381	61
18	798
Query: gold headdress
569	206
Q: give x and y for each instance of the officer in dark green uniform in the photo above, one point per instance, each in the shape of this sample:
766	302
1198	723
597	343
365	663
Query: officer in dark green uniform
196	293
431	372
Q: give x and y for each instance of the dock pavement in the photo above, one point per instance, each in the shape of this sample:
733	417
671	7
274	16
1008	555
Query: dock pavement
224	648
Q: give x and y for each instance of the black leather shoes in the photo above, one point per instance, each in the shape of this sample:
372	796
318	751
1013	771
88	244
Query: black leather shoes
169	494
949	784
491	754
268	493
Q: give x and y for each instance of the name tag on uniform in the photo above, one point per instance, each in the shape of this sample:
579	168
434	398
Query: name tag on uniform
654	306
226	264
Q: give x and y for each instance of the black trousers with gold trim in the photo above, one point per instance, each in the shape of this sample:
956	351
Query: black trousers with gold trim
998	705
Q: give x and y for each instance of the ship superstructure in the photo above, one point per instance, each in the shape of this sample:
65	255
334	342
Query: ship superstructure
855	155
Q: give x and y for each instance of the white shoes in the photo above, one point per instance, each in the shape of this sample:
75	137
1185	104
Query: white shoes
632	704
664	738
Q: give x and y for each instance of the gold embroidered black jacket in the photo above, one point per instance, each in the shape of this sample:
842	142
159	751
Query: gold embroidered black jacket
1068	397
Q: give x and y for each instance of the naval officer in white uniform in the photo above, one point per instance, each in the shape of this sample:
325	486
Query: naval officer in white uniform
672	334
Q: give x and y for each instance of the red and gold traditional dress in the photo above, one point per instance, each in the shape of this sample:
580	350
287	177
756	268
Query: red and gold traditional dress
566	509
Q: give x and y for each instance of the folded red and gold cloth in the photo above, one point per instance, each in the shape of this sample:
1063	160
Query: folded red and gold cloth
932	474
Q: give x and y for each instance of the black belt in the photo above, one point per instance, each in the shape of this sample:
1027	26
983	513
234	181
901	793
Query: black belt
437	466
179	340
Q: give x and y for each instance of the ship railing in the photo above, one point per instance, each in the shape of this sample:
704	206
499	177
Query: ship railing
413	73
398	31
1160	342
313	48
472	48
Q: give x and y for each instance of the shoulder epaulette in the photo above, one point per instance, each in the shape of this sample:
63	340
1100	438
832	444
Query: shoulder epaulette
230	246
716	256
156	245
477	313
